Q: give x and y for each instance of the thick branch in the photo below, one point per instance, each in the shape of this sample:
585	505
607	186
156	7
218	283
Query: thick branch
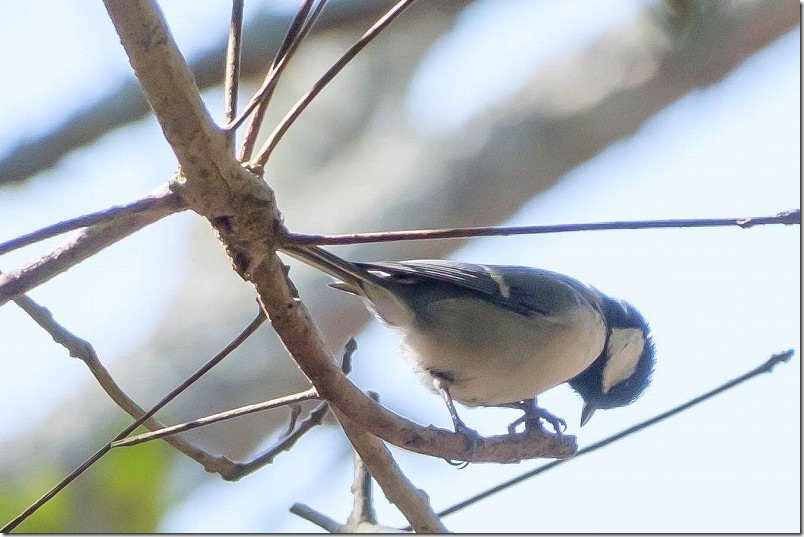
242	209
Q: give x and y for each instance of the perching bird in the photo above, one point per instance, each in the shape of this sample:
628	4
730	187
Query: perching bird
501	335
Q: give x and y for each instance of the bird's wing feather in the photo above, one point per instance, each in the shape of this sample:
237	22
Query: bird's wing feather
528	291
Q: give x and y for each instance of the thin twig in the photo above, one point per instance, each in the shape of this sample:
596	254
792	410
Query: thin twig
348	351
295	414
232	76
362	497
284	443
399	490
288	400
362	518
373	454
263	94
250	329
265	151
792	217
220	416
298	30
295	430
764	368
166	199
88	243
311	515
83	350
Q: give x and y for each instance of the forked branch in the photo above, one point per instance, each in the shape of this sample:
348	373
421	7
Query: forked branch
242	208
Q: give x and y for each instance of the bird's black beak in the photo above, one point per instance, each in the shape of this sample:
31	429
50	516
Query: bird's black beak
586	413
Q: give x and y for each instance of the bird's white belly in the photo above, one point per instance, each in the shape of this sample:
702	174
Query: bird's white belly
531	354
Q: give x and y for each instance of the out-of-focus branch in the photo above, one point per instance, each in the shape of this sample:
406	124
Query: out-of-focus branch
127	104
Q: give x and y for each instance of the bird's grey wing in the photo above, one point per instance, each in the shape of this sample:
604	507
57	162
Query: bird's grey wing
525	290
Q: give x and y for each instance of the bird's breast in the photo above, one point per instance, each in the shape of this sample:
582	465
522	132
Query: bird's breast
494	356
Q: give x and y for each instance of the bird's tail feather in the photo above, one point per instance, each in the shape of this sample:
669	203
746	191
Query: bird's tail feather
349	273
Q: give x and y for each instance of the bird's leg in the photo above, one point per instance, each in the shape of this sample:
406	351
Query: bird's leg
441	382
533	416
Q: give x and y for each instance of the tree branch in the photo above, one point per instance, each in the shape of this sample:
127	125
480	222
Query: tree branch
165	200
258	105
126	221
242	209
411	501
72	476
792	217
295	398
83	350
264	153
311	515
232	76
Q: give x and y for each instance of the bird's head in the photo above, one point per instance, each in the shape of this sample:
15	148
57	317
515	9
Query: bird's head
624	368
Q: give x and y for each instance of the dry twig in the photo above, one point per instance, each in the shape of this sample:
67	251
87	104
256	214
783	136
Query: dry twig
242	209
792	217
258	105
126	221
267	148
83	350
250	329
231	79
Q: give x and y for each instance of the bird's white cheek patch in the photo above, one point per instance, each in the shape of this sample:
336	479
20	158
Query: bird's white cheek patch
625	347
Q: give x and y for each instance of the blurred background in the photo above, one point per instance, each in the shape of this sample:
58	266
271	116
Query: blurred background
486	112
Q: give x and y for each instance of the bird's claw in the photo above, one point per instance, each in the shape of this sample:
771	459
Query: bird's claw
473	439
533	419
461	428
559	425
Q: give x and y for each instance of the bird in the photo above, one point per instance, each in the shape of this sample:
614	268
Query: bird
499	336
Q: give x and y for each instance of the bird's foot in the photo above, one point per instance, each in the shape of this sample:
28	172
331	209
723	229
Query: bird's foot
462	429
472	438
533	418
558	424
